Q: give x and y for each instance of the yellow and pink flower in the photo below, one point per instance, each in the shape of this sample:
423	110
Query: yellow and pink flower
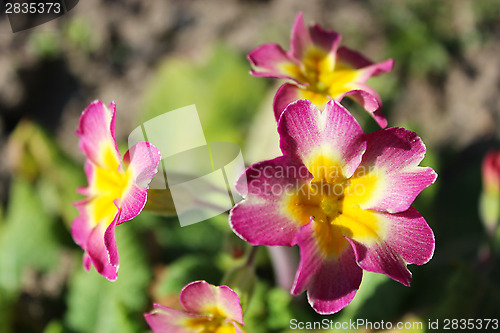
343	196
209	309
115	193
319	70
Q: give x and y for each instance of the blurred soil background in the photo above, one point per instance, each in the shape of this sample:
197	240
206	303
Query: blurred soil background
154	56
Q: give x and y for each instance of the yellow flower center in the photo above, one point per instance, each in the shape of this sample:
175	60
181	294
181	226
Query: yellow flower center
211	324
326	78
332	201
109	183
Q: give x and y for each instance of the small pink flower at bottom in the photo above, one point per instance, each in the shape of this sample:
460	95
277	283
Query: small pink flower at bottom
319	70
209	309
115	193
344	197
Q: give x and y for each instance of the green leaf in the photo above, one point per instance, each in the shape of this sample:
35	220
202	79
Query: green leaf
256	312
183	271
225	94
279	302
470	293
28	238
54	327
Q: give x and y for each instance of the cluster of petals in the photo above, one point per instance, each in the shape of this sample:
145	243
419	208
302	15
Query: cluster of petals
116	191
319	70
344	197
209	309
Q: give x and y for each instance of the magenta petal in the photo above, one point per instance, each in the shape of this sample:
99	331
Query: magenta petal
201	297
110	243
237	328
86	261
409	240
102	250
81	228
286	94
310	259
133	203
381	258
328	40
376	69
305	130
366	97
300	39
260	219
410	235
335	284
163	320
353	58
267	59
88	169
358	61
143	159
369	100
331	283
95	128
379	118
394	154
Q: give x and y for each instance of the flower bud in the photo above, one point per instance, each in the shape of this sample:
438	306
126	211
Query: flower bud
489	205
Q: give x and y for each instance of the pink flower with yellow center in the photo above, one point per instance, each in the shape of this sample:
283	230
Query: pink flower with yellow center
320	70
115	193
210	309
343	196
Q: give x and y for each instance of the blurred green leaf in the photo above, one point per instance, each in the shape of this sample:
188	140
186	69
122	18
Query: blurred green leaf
79	33
97	305
6	309
183	271
279	303
224	92
34	155
417	37
256	313
27	239
45	44
54	327
470	294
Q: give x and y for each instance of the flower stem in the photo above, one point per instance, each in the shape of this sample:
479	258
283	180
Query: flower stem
251	256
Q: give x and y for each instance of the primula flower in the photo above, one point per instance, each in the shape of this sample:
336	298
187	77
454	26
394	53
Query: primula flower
320	70
344	197
210	309
114	193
